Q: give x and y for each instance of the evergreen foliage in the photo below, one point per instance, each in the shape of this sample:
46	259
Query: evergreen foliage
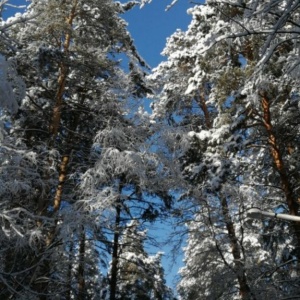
73	148
84	169
227	90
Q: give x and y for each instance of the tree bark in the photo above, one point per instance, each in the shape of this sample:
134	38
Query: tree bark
81	267
115	255
53	129
69	275
279	165
201	101
56	114
245	292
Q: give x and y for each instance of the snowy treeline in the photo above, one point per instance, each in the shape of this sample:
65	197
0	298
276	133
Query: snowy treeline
84	169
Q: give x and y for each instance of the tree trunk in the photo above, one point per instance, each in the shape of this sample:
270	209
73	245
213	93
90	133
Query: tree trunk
81	267
53	129
202	103
245	292
56	114
291	200
69	274
115	255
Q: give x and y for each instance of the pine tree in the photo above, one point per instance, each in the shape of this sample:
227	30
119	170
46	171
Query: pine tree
200	112
76	93
140	276
228	128
128	176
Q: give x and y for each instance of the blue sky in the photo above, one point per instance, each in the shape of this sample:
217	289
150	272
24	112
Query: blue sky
150	27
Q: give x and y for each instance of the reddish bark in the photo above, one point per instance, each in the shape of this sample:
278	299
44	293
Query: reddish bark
62	178
204	108
56	114
277	158
279	165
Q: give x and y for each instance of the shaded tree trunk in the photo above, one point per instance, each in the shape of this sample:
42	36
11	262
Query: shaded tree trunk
81	267
69	274
202	103
245	292
115	255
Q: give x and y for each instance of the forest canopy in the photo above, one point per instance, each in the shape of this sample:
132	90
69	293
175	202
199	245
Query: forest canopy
86	169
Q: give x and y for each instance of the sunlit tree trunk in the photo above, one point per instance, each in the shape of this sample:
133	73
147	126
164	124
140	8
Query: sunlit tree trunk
56	114
53	129
279	165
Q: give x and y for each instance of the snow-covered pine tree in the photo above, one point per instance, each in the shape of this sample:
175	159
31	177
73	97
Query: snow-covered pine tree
269	44
125	183
200	112
76	101
226	132
140	276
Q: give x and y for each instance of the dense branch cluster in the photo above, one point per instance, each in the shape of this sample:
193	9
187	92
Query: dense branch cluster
228	99
85	170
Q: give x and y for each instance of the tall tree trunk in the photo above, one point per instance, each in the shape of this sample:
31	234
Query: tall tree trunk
53	129
115	254
245	292
69	274
81	267
56	114
279	165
